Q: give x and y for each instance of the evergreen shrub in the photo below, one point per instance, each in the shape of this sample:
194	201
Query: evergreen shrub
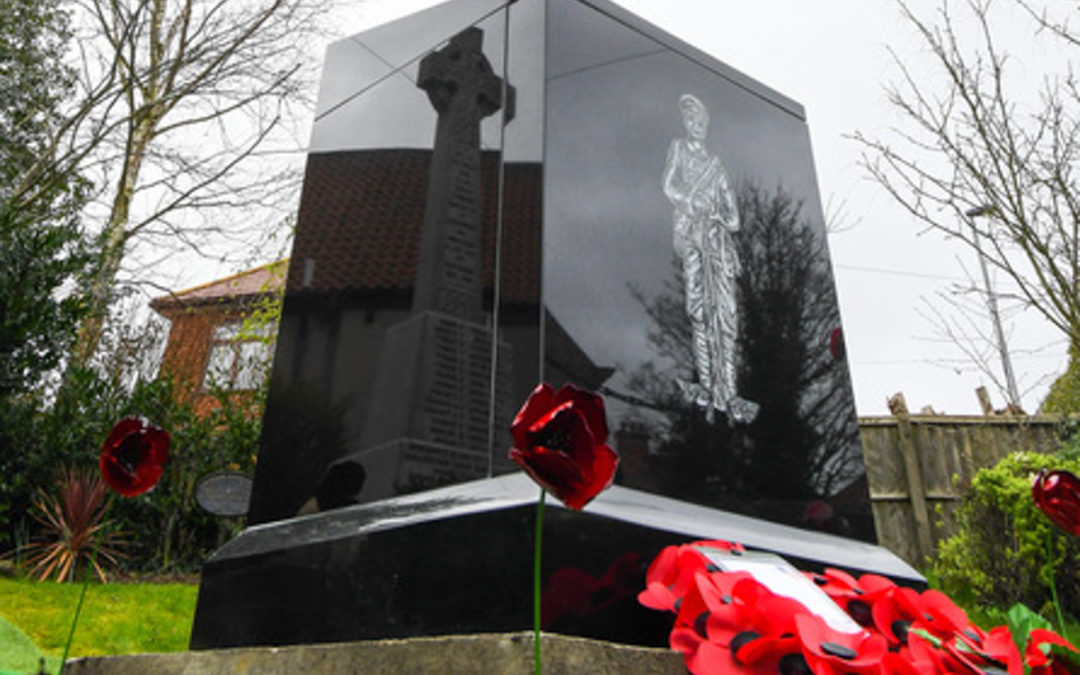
1005	550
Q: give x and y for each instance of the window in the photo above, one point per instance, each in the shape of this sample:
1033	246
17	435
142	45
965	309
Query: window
239	357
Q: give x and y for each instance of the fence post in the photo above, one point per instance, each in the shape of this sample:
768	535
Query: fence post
916	487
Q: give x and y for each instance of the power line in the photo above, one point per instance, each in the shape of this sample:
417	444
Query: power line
900	273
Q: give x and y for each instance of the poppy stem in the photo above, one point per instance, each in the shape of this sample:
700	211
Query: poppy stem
85	584
1051	561
537	544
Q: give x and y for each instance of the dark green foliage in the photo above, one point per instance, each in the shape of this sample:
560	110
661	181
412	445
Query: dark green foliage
42	248
1001	554
34	83
1064	394
36	327
167	529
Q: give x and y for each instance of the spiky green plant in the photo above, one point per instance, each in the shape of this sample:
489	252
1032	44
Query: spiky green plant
74	526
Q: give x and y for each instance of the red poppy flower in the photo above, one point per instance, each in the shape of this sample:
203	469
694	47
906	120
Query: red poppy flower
672	572
837	584
1037	655
1057	494
944	619
830	652
902	662
668	577
757	608
133	456
999	645
560	439
729	623
747	654
894	612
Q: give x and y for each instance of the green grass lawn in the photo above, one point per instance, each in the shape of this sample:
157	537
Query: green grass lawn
19	654
116	618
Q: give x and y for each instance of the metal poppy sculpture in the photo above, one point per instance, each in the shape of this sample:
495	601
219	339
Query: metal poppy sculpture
1057	494
560	440
132	460
133	456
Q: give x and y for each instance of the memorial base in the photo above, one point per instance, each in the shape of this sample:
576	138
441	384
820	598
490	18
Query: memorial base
458	560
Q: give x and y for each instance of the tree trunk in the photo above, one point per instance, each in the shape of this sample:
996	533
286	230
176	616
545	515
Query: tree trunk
102	281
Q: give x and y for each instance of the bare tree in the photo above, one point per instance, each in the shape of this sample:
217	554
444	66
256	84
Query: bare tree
979	135
186	110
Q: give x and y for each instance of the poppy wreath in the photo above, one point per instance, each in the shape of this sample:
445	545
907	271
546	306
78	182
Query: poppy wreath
730	623
560	439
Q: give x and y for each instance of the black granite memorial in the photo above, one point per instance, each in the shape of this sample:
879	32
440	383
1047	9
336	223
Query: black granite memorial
503	193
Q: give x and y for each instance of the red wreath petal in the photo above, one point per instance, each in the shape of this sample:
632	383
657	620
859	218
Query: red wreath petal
841	578
719	544
828	649
945	619
767	613
693	610
669	575
958	661
1034	656
709	658
901	663
658	596
718	588
875	586
999	645
684	640
664	567
895	611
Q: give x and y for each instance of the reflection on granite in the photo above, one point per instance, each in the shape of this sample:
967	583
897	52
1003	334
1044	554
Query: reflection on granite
573	281
459	559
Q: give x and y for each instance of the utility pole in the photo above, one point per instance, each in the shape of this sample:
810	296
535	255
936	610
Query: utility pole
991	303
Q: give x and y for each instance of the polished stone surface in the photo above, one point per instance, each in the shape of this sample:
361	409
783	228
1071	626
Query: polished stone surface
458	560
649	228
590	267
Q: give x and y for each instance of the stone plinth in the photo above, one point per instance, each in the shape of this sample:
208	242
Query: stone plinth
491	653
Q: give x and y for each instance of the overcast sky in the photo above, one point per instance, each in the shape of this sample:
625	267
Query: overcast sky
832	57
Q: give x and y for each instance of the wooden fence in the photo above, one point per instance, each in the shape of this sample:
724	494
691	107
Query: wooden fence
917	466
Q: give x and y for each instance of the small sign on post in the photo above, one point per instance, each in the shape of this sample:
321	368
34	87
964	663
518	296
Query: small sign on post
224	493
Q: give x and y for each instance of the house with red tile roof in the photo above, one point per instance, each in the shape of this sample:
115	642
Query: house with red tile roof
209	343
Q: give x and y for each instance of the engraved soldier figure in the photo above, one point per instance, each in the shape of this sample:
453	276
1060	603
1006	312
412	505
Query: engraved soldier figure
705	220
